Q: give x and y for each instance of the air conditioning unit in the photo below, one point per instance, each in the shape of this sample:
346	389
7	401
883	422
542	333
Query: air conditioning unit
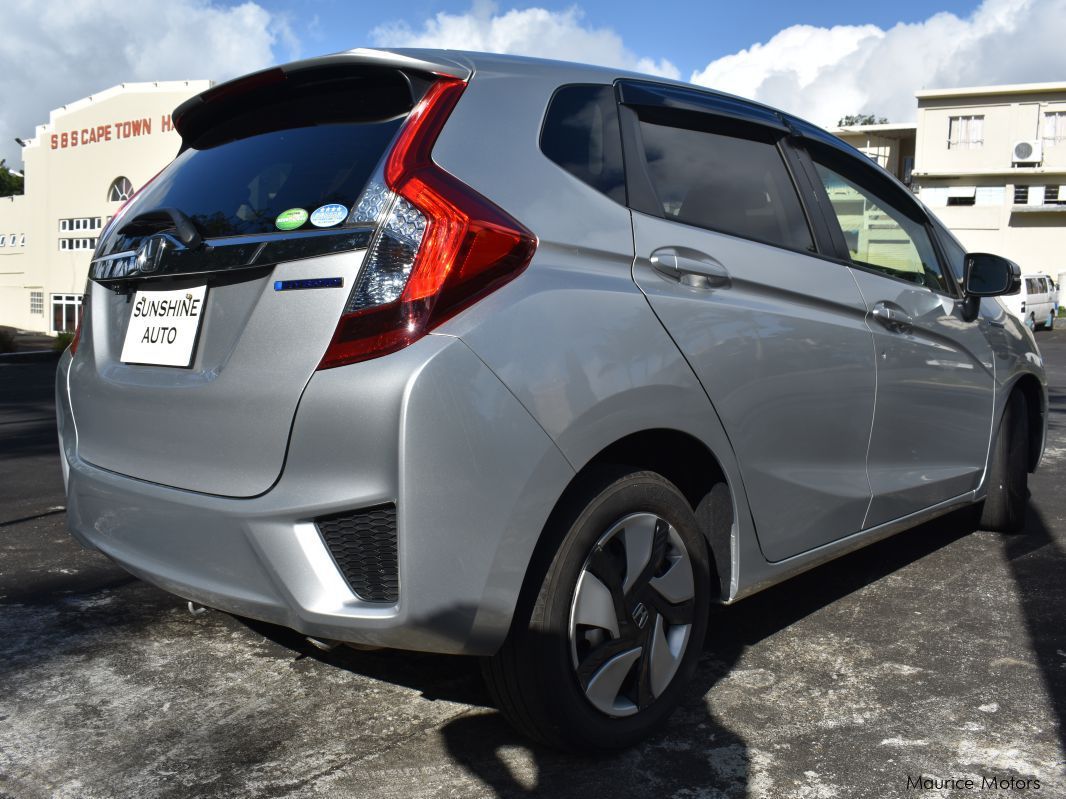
1026	152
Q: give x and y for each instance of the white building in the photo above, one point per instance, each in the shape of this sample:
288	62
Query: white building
990	161
80	167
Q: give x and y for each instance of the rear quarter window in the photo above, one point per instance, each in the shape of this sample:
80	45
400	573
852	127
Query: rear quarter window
581	134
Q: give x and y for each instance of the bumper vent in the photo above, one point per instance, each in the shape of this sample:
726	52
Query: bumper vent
363	543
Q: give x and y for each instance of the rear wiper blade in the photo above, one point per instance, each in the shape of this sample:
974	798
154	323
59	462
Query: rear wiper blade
161	219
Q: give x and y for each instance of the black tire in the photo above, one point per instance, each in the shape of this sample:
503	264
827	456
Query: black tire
534	677
1008	472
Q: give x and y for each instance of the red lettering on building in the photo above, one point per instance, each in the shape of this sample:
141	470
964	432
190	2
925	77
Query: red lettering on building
122	129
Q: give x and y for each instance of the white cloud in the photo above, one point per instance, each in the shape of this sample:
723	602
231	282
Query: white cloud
824	73
530	32
54	53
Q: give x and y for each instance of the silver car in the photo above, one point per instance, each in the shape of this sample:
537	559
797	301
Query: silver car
529	360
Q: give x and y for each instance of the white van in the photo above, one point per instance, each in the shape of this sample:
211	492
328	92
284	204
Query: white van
1035	303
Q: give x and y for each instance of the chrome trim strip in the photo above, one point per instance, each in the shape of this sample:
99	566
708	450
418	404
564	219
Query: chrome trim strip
225	253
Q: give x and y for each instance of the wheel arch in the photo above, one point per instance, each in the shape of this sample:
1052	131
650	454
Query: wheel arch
1032	392
681	458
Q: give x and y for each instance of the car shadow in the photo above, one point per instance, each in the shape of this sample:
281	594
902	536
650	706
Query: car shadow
1038	565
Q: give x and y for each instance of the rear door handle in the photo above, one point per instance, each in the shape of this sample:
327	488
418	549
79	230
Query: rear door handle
890	317
690	267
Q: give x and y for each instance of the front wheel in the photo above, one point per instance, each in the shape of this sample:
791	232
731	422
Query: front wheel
618	622
1008	471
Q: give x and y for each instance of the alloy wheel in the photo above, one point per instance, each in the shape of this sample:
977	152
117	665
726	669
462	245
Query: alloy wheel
631	615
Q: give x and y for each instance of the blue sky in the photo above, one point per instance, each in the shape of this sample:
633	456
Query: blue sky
820	60
690	34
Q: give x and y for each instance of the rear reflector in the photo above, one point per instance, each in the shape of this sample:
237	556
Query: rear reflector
439	245
363	545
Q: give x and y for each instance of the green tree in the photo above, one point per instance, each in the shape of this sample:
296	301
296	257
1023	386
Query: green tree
10	183
861	119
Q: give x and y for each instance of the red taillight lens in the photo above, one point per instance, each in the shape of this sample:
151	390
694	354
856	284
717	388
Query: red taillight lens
442	242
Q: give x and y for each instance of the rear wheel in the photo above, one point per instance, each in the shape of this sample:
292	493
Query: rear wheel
618	622
1008	473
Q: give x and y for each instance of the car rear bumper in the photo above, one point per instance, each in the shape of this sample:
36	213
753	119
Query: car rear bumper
430	429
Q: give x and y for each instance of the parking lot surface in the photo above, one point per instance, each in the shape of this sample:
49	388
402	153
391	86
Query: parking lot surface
939	654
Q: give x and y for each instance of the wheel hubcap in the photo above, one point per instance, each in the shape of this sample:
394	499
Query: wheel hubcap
631	616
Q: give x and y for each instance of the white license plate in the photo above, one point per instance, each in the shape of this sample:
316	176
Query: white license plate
164	326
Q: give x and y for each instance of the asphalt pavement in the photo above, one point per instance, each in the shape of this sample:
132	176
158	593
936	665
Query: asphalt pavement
939	654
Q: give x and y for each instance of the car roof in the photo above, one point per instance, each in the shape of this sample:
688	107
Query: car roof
464	64
476	61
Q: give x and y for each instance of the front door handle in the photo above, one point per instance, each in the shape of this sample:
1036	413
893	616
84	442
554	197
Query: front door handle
690	267
891	317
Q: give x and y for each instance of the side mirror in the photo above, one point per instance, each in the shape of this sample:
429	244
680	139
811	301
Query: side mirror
990	275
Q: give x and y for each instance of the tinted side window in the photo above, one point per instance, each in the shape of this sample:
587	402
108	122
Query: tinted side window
880	235
727	183
581	135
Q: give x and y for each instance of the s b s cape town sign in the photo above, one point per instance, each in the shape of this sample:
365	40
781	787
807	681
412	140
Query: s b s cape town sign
111	131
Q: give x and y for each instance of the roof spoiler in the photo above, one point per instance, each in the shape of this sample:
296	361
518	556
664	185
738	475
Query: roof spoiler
426	63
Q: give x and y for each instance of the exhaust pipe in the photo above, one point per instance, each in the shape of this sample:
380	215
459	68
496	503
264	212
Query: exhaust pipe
325	645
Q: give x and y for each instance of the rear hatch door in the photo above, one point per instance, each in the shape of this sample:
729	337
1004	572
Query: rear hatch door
248	243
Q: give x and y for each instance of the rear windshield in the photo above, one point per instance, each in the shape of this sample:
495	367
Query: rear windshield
268	179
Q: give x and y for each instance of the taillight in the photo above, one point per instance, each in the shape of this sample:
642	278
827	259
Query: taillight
439	245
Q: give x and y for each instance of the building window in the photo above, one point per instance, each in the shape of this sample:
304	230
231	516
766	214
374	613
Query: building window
81	223
120	190
66	312
1054	127
22	240
966	132
37	303
3	240
1054	195
1021	195
78	244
